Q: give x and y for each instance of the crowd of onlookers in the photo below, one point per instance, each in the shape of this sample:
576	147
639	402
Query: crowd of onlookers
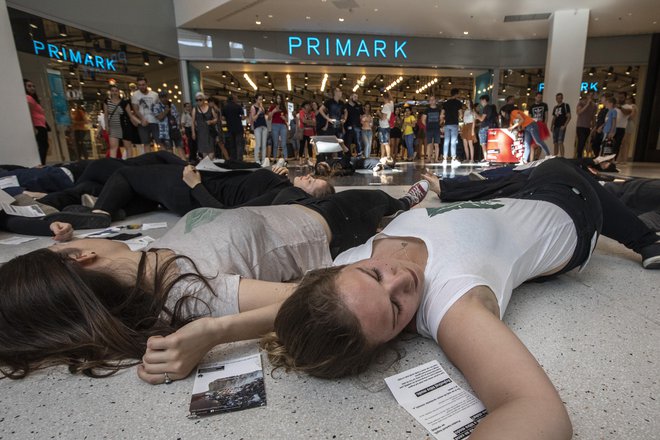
144	119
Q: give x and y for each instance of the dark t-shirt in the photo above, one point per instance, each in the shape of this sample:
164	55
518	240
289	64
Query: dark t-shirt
335	110
452	107
432	118
600	119
237	188
491	116
505	113
560	111
354	113
539	111
233	113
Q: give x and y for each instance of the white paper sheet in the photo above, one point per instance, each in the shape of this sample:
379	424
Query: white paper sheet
17	240
445	409
138	243
6	198
22	211
159	225
207	164
8	182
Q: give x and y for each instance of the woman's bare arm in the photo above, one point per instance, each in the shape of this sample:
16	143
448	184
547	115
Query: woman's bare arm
521	401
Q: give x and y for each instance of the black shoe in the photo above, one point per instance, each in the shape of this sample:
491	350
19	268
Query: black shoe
651	256
77	208
82	220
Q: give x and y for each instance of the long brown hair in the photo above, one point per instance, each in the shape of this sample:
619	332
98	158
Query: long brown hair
54	311
317	334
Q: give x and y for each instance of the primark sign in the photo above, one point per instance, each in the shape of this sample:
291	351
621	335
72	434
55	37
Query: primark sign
347	47
74	56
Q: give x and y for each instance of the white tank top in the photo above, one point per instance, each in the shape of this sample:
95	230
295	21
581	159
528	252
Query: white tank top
496	243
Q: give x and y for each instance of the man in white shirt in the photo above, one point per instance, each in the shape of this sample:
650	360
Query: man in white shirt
143	101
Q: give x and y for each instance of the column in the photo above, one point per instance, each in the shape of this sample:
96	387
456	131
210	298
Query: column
18	142
567	41
185	83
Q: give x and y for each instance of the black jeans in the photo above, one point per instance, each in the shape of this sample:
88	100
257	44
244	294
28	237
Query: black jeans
236	145
596	140
582	136
618	138
42	143
354	215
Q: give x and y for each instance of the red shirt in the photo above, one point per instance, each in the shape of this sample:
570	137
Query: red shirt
308	130
279	116
36	112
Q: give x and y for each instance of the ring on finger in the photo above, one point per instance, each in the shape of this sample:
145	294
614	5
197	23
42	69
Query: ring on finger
167	379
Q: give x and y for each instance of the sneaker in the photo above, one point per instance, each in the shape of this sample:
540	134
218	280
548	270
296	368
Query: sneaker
379	167
265	163
444	162
281	163
651	256
455	163
82	220
416	193
88	200
77	208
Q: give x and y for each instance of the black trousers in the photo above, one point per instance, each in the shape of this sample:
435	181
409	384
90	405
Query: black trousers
236	145
596	141
192	145
354	215
582	136
618	138
42	143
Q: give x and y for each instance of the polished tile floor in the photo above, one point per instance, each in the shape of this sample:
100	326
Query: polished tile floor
596	334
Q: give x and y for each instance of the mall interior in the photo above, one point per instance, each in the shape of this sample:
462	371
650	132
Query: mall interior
593	330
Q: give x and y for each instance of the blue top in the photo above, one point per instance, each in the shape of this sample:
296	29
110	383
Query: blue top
609	121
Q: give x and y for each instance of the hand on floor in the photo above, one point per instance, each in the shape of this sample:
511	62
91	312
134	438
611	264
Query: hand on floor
282	171
61	231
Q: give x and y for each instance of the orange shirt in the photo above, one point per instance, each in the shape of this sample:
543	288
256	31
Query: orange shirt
525	120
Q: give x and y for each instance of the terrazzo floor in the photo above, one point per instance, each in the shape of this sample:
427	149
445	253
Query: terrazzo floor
596	333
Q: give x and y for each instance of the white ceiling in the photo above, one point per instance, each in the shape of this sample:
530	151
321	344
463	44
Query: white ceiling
482	19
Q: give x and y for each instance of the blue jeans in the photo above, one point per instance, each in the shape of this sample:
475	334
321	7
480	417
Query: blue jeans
409	140
279	139
532	133
260	142
483	137
384	135
451	137
367	140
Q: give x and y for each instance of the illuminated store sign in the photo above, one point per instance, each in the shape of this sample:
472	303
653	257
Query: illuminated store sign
347	47
73	56
584	87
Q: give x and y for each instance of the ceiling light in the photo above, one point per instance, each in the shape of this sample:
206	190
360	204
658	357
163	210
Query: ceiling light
343	77
161	60
257	22
270	15
164	84
341	19
207	66
288	82
224	74
592	71
145	58
324	81
381	79
308	17
632	84
62	30
33	25
610	70
628	70
266	75
355	87
465	32
522	73
249	80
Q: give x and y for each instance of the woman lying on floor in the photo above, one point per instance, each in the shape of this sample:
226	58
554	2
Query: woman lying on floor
342	318
91	303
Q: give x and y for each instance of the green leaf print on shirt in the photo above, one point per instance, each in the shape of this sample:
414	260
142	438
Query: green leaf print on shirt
487	204
200	216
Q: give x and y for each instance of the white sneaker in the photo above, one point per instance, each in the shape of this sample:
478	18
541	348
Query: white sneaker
444	162
455	163
281	162
88	200
265	163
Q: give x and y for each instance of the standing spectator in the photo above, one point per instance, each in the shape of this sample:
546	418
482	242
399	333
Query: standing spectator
353	126
113	112
539	112
79	121
431	120
467	131
322	125
143	101
186	128
102	131
217	130
367	122
386	113
38	117
585	109
204	119
296	135
395	133
561	115
630	128
260	129
488	118
335	113
597	133
409	122
233	114
609	145
161	110
421	136
176	137
277	113
452	109
623	114
307	119
530	132
129	127
505	111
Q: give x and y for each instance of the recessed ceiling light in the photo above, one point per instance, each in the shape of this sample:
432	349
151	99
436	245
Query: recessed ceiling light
257	22
440	32
629	14
465	32
341	19
208	67
270	15
375	9
308	17
596	19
